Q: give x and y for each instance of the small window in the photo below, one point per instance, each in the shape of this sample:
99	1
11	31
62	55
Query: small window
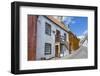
47	48
47	29
65	36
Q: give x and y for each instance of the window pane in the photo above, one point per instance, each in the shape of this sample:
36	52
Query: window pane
65	36
47	28
47	48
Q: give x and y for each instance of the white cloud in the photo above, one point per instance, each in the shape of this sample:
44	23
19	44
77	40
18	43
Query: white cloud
81	37
68	20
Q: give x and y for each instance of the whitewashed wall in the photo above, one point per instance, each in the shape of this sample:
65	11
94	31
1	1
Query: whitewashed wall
42	38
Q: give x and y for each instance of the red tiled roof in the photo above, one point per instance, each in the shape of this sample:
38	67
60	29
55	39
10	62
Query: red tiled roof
57	22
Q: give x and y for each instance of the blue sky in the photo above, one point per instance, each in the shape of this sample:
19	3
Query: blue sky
78	25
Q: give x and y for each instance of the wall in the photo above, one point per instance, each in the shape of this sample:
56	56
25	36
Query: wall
42	38
73	42
5	38
32	36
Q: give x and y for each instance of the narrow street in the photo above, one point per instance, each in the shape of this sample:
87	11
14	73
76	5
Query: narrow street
81	53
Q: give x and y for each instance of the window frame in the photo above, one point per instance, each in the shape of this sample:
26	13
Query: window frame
49	52
65	36
47	25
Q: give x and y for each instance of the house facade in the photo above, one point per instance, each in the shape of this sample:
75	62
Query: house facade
51	34
48	38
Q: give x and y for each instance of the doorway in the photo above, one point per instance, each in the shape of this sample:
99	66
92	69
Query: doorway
56	51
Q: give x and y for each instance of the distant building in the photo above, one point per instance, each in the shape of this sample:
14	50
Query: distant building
84	41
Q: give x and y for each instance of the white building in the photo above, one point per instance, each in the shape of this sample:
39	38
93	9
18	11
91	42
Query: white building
84	41
52	38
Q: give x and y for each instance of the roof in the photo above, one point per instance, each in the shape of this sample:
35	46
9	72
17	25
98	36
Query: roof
60	24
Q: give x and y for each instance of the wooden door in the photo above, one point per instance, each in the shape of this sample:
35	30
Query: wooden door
56	51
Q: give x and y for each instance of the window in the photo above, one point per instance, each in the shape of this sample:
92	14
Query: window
47	29
65	36
47	48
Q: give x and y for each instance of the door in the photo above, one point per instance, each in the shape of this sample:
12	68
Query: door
56	51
